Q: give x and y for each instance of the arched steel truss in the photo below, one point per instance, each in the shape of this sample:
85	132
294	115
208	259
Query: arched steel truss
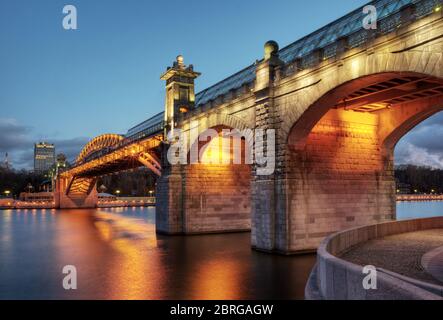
99	143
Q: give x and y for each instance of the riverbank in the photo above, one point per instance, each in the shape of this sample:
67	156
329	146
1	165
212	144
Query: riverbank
393	250
420	197
122	202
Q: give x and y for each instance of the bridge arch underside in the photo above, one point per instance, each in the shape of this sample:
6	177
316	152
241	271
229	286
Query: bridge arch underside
211	195
339	154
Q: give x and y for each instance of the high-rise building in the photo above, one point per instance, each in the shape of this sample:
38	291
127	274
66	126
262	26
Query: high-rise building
44	157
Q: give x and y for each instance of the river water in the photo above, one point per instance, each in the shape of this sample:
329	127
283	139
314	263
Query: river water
117	255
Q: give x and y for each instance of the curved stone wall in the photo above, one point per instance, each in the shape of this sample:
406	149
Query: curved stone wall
335	278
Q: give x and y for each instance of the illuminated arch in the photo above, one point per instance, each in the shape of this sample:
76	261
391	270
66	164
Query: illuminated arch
99	143
220	121
349	72
311	115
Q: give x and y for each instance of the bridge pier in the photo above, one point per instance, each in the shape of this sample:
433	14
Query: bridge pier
269	220
342	177
269	213
198	198
74	193
169	213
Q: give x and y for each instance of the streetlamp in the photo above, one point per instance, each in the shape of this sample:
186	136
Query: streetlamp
7	193
117	192
151	192
29	187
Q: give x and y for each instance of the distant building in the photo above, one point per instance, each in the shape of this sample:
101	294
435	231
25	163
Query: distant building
44	157
37	197
61	162
60	165
6	164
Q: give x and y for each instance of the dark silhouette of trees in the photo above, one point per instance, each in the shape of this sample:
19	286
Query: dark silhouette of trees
17	181
136	183
420	179
139	182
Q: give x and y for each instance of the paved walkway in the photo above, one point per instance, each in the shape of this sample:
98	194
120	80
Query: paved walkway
403	254
432	262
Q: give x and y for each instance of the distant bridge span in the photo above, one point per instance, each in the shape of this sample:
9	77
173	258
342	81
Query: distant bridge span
338	99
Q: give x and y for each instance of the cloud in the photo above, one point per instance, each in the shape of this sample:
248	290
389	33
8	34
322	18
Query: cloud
423	145
18	141
408	153
13	136
70	147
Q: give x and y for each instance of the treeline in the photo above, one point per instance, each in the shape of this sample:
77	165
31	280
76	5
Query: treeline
130	183
136	183
409	178
19	181
419	179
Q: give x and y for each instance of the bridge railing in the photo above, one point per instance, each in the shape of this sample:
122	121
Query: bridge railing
145	132
330	41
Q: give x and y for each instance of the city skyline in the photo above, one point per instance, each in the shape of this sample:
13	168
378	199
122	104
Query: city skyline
124	68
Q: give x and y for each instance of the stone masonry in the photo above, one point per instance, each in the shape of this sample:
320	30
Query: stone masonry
334	168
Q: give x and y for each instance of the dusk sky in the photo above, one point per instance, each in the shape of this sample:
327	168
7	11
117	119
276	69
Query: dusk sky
66	87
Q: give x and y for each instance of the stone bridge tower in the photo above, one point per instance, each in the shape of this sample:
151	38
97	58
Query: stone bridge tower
180	94
180	99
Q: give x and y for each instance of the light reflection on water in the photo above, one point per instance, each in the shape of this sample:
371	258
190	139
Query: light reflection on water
119	256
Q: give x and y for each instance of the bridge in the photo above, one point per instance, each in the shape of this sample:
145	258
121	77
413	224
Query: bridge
338	101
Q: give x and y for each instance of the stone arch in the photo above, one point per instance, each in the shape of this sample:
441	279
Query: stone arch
221	120
216	196
426	59
224	119
408	118
392	131
339	160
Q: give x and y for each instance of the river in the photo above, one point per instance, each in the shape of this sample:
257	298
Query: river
118	255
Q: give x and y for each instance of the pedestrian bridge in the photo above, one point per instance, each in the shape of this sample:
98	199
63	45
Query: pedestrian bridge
337	101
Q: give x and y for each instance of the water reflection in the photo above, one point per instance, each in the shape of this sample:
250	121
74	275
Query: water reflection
129	275
419	209
119	256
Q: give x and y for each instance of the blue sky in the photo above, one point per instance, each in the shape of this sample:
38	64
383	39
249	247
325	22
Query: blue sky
69	86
